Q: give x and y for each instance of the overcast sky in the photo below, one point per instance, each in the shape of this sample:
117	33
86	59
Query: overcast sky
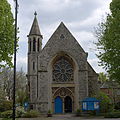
79	16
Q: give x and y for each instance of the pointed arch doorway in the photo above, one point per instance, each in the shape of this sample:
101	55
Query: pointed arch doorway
67	104
58	105
63	101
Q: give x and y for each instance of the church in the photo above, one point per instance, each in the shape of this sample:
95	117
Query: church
59	75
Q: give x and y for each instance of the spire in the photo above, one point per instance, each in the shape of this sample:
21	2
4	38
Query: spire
35	27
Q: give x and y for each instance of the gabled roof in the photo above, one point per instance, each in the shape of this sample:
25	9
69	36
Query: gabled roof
35	27
62	37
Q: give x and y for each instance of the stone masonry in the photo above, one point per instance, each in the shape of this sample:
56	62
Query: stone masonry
42	89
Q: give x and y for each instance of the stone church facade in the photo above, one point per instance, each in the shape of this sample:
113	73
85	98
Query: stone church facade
59	75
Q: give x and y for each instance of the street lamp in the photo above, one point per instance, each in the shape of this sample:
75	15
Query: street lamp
15	43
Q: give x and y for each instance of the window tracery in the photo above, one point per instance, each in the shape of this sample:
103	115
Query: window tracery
62	70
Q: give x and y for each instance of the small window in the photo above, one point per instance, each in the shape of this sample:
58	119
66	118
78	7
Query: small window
30	47
62	36
34	47
33	65
38	44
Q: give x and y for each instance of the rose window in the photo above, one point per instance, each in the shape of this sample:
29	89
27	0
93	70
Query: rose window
62	71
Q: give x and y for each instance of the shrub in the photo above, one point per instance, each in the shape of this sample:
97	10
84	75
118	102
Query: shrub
92	112
5	105
117	106
78	112
20	111
0	114
6	119
31	114
105	102
49	114
7	114
112	115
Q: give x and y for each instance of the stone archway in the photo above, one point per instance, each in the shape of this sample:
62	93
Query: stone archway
66	95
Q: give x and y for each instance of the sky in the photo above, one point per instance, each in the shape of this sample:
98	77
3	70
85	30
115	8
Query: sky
79	16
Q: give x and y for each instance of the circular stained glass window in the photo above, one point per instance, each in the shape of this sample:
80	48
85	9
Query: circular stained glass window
62	70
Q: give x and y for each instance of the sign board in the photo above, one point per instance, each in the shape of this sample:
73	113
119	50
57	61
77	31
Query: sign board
90	104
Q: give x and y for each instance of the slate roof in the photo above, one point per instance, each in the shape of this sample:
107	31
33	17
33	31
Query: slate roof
35	27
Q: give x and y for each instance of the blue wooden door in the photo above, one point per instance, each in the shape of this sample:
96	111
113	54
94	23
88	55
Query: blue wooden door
58	105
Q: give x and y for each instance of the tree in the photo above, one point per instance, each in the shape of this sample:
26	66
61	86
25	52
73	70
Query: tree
21	87
6	82
102	78
108	34
6	85
105	102
6	34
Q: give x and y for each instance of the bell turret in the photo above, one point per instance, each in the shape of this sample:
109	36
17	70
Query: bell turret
35	37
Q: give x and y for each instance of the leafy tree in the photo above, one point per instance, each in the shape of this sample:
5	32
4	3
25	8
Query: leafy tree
102	78
6	34
108	34
21	87
105	102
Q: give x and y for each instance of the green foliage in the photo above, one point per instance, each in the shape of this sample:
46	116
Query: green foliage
6	119
102	77
7	114
112	115
117	106
6	85
21	92
108	34
6	82
105	102
20	111
6	33
5	105
49	112
31	114
78	112
21	97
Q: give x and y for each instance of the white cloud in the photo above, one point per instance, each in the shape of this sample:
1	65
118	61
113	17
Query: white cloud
22	63
80	16
94	63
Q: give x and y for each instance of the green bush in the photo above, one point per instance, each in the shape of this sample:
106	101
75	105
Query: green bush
7	114
78	112
105	102
5	105
117	106
112	115
0	114
49	112
92	112
31	114
6	119
20	111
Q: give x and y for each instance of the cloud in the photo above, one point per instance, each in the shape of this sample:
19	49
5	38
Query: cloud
21	63
94	63
80	16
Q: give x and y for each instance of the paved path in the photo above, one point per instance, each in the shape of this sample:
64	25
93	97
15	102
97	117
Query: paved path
67	117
